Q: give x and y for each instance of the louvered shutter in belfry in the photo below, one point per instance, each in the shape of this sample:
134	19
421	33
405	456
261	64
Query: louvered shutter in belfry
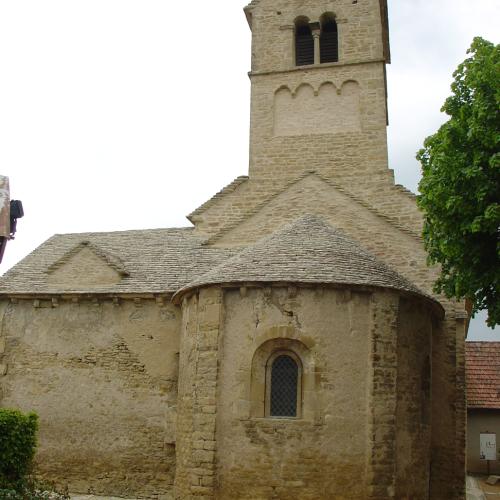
304	46
329	43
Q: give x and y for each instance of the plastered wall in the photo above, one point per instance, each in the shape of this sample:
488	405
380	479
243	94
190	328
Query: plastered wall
482	421
362	426
324	454
102	376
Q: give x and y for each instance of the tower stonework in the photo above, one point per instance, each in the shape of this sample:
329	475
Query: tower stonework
287	346
318	145
329	117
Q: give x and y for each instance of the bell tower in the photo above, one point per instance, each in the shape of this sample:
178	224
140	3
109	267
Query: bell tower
319	98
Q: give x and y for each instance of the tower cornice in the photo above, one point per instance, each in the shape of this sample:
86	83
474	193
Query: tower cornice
315	67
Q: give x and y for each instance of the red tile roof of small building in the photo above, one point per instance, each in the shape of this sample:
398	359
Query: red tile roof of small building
483	374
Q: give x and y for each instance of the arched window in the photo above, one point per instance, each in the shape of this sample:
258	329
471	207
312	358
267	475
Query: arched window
290	380
304	42
284	385
329	39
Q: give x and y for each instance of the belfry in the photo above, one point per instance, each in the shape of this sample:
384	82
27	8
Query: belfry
288	345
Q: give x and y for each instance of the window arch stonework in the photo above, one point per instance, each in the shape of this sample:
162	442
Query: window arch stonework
316	42
261	384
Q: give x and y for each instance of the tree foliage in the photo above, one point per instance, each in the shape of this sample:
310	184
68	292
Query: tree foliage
17	448
460	187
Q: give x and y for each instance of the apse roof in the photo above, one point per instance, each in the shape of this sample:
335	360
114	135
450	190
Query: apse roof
308	250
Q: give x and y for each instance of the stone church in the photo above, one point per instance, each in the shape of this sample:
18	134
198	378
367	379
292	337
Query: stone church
288	345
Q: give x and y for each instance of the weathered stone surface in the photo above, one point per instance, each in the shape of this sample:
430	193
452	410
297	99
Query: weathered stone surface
142	397
101	378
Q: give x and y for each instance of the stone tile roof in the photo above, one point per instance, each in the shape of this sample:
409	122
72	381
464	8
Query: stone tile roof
221	194
308	250
483	374
153	261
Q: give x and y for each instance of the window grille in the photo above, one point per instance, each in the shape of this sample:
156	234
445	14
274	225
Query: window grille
284	381
304	45
329	41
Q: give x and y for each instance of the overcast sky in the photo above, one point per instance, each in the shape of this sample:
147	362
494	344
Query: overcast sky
125	114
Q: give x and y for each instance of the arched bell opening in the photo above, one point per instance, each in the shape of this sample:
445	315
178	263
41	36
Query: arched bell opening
304	42
329	39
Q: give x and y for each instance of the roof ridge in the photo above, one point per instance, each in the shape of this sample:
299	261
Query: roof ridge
112	260
123	231
229	188
212	239
369	207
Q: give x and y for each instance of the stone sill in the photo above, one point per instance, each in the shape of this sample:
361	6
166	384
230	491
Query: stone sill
315	67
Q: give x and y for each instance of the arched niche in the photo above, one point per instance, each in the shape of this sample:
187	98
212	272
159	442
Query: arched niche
329	110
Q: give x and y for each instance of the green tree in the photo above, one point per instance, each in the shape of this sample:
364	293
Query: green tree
17	445
17	448
460	187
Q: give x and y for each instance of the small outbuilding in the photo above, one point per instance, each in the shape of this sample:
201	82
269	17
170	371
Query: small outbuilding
483	407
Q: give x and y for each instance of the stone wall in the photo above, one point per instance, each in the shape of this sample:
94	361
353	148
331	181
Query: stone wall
369	412
402	250
324	453
359	25
102	376
413	410
360	354
196	421
329	118
382	434
326	110
331	148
